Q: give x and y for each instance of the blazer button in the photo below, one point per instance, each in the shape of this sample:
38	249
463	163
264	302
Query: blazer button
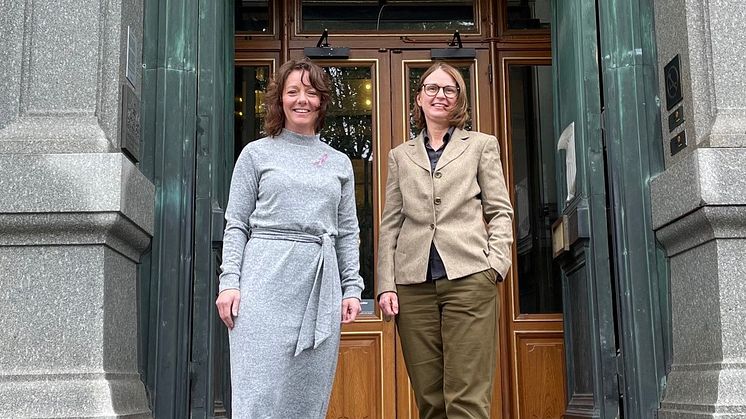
432	226
438	175
437	201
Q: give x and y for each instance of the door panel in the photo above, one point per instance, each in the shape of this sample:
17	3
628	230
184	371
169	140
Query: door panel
406	69
534	312
360	366
209	384
541	361
588	300
357	124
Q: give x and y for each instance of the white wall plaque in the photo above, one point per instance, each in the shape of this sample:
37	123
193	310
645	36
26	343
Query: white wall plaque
567	142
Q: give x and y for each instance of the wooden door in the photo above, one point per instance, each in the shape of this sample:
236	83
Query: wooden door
358	123
533	311
374	93
406	68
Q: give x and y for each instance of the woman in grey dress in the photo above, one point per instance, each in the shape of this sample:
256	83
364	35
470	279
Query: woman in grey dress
290	256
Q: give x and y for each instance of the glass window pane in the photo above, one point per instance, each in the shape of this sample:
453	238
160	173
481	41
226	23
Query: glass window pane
349	122
391	15
415	73
250	84
529	14
253	16
533	155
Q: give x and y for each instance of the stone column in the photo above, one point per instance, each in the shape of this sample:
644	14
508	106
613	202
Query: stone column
699	207
75	212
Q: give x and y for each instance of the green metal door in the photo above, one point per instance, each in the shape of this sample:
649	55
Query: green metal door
588	299
209	367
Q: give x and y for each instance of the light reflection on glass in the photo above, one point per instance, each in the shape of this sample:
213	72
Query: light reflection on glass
250	84
535	207
349	122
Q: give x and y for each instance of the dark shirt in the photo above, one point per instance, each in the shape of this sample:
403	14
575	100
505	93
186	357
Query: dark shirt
435	268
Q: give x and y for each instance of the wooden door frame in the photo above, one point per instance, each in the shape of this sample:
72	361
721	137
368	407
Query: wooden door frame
550	326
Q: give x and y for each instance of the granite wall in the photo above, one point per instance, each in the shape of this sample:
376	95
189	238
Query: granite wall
699	206
75	212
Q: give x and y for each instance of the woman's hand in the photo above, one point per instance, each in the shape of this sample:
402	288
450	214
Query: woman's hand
350	309
389	304
228	302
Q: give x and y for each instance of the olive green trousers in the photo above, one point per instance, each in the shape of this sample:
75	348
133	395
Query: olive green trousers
448	332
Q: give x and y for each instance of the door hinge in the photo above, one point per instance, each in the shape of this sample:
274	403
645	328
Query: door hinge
489	72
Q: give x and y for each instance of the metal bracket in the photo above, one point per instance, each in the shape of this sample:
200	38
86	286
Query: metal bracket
455	50
324	50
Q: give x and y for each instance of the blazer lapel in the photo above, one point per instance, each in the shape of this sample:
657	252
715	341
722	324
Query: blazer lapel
416	151
456	147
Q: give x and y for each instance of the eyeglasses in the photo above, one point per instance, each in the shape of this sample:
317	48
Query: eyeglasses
432	89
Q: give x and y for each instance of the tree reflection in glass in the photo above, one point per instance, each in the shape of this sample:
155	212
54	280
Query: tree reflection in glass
349	122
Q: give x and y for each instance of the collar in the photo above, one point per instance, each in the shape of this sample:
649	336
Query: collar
446	137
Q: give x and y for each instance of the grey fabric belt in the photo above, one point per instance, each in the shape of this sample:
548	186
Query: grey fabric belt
324	304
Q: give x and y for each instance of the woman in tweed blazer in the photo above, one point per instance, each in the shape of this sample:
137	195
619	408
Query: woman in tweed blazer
445	241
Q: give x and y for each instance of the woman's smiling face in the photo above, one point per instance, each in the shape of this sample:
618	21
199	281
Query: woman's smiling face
437	108
300	103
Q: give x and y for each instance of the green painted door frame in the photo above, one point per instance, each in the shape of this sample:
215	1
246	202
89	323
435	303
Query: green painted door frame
587	291
187	153
168	129
615	280
634	155
209	361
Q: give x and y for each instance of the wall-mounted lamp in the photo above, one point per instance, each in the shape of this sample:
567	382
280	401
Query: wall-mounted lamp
455	50
324	50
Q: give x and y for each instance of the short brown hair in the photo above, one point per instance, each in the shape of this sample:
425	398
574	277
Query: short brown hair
460	112
275	120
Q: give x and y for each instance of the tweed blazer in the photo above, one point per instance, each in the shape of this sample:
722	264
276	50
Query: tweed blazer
463	207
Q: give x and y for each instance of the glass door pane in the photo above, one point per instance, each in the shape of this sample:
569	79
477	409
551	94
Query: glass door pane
250	83
349	122
533	156
253	16
529	14
407	16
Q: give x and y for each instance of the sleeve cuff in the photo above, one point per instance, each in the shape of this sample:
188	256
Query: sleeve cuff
383	288
352	291
227	282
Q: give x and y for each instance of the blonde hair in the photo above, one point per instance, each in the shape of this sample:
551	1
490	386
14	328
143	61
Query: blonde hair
460	112
275	119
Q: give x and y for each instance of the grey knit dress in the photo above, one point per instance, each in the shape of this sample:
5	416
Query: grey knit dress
291	247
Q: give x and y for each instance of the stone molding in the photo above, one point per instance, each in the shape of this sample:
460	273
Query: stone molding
76	183
88	395
111	229
705	177
701	226
699	208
